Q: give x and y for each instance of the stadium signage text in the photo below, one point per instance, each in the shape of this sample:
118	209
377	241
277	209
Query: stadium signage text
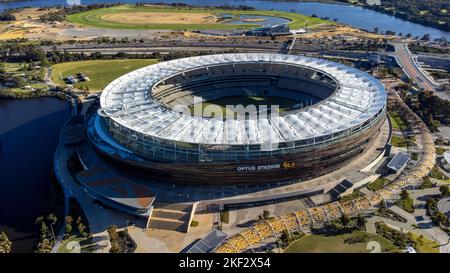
255	168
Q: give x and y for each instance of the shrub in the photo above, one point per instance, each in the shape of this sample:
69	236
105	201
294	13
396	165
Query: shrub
378	184
225	216
194	223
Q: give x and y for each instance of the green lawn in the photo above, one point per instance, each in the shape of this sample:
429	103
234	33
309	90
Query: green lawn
378	184
94	18
428	246
100	72
398	141
335	244
220	105
397	121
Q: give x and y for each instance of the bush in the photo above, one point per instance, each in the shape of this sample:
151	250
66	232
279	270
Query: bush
7	16
378	184
225	216
437	174
356	239
426	184
405	202
194	223
397	237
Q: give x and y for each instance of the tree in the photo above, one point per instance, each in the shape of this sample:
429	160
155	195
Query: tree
266	214
376	30
426	37
5	243
361	221
113	238
51	219
404	195
345	220
420	240
444	190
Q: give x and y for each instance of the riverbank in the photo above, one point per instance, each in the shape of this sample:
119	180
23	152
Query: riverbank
355	16
31	95
29	133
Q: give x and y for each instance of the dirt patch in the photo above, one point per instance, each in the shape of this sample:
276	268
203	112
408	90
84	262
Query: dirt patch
145	18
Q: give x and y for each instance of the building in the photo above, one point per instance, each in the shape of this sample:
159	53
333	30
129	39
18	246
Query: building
209	243
269	30
138	125
398	162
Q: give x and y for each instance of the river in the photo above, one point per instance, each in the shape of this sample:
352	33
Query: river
29	132
348	14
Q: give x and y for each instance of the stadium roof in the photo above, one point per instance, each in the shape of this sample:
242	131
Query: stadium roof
128	101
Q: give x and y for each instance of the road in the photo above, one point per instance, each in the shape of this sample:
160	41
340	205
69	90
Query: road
405	59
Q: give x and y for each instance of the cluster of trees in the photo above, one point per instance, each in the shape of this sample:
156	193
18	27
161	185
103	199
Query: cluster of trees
47	234
70	223
21	51
62	12
432	209
5	243
288	238
184	5
399	238
430	12
405	202
430	108
346	223
7	16
429	49
121	241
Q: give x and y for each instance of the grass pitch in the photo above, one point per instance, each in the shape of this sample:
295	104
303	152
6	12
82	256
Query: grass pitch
225	106
336	244
118	17
100	72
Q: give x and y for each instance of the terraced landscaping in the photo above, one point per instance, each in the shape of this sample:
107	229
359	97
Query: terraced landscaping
161	17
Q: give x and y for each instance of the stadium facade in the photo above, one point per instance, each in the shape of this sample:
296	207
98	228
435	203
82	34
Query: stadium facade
337	112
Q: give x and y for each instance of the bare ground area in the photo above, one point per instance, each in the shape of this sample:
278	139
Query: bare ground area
146	18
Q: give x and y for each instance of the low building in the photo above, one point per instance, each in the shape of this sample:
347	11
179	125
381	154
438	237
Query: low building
117	192
269	30
446	160
398	163
209	243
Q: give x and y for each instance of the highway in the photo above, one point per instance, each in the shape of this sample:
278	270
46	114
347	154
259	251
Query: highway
405	59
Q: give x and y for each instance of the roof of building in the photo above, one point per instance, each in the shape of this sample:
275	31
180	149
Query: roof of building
116	188
399	161
128	101
447	157
207	244
73	130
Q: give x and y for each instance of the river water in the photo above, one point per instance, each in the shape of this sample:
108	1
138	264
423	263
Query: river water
351	15
29	132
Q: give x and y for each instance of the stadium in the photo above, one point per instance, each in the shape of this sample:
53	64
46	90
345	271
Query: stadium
171	121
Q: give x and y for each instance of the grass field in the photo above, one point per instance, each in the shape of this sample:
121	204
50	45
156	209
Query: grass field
99	18
100	72
398	141
336	244
397	121
222	103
